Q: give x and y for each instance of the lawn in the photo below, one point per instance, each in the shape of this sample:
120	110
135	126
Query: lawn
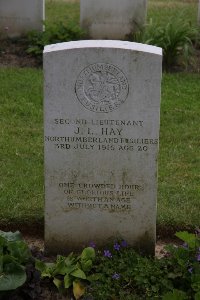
179	160
21	141
159	11
21	147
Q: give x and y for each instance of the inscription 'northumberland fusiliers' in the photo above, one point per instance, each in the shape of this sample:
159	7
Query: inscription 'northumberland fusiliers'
101	87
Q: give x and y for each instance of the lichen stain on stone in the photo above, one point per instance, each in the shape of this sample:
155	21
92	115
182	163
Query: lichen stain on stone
61	247
86	24
124	177
145	243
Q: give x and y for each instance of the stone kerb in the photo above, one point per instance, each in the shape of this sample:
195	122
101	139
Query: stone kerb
113	19
102	104
17	17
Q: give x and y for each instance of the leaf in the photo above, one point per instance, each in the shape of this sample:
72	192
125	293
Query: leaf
187	237
67	281
3	243
70	260
78	273
86	265
196	277
69	269
94	277
1	265
13	277
19	250
46	269
58	283
62	269
88	254
173	275
87	258
197	296
11	236
175	295
78	289
8	259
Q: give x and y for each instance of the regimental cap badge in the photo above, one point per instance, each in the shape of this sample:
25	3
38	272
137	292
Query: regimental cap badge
101	87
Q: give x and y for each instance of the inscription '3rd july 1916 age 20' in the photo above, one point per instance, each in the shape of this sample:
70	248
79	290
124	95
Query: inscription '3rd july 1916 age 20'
101	87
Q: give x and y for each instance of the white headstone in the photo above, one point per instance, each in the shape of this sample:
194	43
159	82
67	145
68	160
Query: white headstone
102	103
17	17
112	19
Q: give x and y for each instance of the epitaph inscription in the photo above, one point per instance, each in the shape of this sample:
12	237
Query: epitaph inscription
99	196
101	87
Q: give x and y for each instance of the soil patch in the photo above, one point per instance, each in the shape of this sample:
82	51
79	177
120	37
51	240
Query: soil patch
13	54
38	244
36	229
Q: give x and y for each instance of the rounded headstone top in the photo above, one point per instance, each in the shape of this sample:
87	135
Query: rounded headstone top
114	44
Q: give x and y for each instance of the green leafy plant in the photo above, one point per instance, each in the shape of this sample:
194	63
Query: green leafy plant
14	254
117	272
125	274
175	295
176	37
71	271
184	265
56	33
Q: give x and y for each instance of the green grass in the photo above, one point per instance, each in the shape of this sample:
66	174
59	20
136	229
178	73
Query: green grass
60	11
21	144
159	11
179	161
21	158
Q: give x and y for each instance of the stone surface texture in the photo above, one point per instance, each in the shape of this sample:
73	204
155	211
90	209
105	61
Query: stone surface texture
112	19
17	17
102	104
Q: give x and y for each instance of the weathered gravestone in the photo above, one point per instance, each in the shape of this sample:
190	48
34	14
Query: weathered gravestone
102	103
17	17
112	19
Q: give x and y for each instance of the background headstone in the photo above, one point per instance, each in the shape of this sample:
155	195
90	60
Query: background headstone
199	13
112	19
102	103
20	16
